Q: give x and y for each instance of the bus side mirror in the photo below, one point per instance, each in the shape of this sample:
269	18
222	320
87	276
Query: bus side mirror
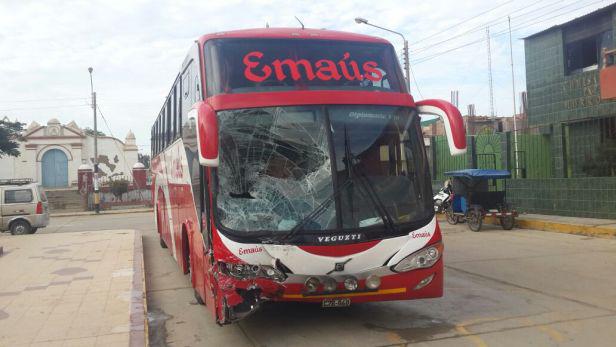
454	124
207	133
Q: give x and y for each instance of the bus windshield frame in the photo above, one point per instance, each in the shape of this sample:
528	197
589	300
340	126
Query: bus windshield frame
331	169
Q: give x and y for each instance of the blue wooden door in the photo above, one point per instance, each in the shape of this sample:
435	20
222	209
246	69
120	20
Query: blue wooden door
55	168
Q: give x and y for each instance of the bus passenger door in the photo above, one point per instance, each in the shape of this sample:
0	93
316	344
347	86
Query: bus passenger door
206	231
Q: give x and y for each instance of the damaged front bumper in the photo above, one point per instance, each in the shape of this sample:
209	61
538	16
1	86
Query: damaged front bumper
239	297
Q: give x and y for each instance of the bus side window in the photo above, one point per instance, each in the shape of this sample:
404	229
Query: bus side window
178	105
169	131
205	206
175	113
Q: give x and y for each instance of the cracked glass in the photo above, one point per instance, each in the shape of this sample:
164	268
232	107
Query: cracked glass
320	168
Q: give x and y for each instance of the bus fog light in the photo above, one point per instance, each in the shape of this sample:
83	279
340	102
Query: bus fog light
312	284
350	283
424	282
330	284
373	282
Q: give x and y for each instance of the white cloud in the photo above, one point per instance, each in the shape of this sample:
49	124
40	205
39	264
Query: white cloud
136	48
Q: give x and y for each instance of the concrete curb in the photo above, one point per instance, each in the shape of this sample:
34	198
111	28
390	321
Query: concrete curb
92	213
558	227
138	307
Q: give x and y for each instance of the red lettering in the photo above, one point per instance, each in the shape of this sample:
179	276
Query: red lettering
267	71
327	72
344	68
371	72
293	67
355	68
323	69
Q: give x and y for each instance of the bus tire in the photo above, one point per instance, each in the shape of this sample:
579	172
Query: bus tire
198	298
161	241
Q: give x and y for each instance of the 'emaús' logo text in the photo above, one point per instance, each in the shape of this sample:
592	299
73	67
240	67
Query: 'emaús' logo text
323	69
251	250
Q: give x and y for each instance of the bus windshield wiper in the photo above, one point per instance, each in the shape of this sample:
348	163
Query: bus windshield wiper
365	183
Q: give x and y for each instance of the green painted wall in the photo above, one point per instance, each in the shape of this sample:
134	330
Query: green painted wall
554	97
591	197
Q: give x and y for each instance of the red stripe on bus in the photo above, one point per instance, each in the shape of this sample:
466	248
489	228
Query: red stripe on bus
340	250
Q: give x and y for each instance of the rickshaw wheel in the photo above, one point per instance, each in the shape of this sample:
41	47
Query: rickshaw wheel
451	218
474	219
507	222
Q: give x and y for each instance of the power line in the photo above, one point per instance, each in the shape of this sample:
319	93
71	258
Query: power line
462	22
518	26
39	100
42	107
415	81
483	25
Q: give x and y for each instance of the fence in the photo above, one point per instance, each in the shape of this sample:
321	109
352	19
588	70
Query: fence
117	191
564	169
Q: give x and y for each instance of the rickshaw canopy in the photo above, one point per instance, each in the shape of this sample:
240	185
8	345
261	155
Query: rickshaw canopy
479	174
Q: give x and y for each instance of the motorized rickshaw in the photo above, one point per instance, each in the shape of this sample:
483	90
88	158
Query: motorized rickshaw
477	195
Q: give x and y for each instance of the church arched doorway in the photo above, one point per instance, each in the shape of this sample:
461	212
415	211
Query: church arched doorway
55	168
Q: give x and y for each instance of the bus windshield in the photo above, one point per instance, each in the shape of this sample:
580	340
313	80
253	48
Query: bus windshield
321	168
265	65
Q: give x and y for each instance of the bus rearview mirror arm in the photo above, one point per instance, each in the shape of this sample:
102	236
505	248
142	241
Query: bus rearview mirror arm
452	119
207	133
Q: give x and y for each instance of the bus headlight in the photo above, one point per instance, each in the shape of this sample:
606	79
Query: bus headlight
248	271
424	258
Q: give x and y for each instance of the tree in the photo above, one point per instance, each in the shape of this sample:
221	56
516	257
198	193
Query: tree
144	159
90	132
10	135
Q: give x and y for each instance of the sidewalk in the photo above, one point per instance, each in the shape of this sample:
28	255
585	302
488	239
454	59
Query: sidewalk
569	225
91	213
73	289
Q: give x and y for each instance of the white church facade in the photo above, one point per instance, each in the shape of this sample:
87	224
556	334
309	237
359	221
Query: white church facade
51	154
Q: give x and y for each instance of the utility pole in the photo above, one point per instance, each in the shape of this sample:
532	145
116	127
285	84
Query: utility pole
97	206
515	126
490	81
405	53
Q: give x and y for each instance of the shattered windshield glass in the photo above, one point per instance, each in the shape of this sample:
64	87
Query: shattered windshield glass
276	168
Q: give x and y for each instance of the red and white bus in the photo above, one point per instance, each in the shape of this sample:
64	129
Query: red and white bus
289	165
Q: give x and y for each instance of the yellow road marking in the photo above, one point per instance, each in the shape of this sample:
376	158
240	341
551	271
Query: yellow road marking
394	338
553	333
478	341
346	295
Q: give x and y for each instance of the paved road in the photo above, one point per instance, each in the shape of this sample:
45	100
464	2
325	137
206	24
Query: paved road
514	288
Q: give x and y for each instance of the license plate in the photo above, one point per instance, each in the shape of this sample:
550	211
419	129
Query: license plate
337	302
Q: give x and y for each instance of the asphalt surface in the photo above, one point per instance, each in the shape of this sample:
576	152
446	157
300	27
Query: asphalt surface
502	288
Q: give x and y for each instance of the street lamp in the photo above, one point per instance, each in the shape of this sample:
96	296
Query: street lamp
407	65
95	176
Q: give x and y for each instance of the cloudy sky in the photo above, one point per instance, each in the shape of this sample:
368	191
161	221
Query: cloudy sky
136	48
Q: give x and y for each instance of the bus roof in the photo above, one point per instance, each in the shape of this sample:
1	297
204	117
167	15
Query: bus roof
293	33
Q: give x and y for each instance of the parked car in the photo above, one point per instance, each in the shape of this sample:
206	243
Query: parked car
23	207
